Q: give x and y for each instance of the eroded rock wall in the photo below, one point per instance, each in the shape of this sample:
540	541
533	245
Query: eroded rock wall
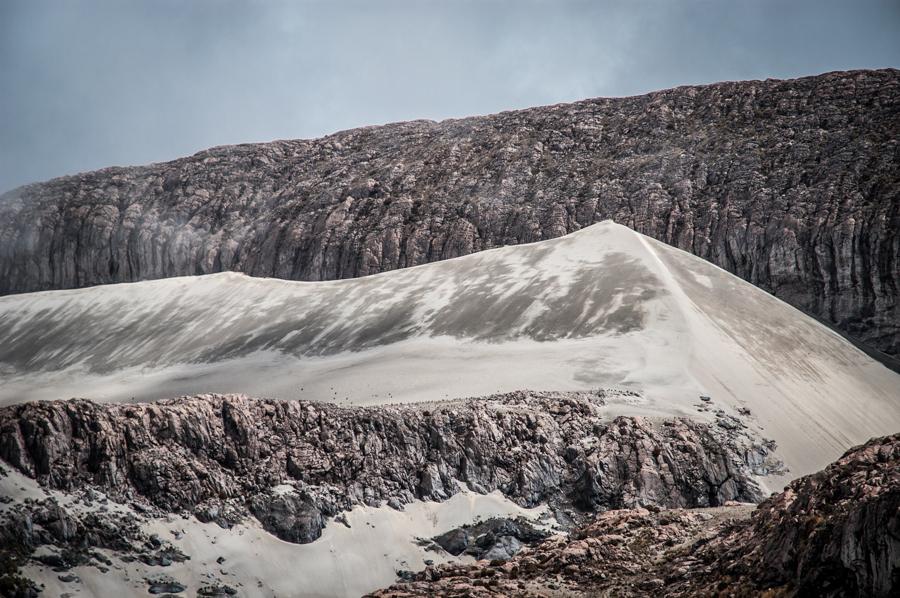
792	185
833	533
222	457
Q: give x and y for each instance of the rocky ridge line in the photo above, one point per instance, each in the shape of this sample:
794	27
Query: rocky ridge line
792	185
225	457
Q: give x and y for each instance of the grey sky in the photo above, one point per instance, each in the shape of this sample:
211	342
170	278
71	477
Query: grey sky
87	84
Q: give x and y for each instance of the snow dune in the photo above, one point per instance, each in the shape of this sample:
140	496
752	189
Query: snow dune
603	307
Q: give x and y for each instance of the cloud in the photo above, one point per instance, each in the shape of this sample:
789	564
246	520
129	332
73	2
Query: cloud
90	83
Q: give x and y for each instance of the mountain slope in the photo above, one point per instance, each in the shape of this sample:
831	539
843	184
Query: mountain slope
831	534
221	481
604	307
792	185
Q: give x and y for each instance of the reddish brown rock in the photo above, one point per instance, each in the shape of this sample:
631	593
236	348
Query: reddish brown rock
831	534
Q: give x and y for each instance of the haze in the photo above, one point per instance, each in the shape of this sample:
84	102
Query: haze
88	84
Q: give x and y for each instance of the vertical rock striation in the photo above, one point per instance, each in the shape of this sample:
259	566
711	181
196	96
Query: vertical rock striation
792	185
224	456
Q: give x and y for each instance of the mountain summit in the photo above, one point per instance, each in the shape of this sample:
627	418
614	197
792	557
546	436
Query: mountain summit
792	185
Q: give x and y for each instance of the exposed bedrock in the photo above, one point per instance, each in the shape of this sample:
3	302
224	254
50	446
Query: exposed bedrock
792	185
833	534
291	464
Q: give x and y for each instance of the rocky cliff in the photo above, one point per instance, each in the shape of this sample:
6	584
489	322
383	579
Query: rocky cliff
221	456
792	185
834	533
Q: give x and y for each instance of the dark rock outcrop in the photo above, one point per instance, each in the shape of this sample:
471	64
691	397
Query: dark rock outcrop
164	585
792	185
75	534
494	539
291	464
289	516
831	534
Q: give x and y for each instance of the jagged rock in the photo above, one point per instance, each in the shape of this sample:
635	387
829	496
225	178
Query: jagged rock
454	542
503	548
291	517
71	535
204	454
830	534
164	585
164	557
222	513
792	185
217	590
834	533
53	560
494	539
55	520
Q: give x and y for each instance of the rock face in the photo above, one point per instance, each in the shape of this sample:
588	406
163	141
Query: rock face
488	540
792	185
73	535
291	464
834	533
614	555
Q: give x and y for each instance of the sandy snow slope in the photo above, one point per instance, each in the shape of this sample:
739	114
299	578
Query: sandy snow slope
603	307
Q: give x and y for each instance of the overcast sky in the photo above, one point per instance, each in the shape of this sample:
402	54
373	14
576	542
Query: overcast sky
87	84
